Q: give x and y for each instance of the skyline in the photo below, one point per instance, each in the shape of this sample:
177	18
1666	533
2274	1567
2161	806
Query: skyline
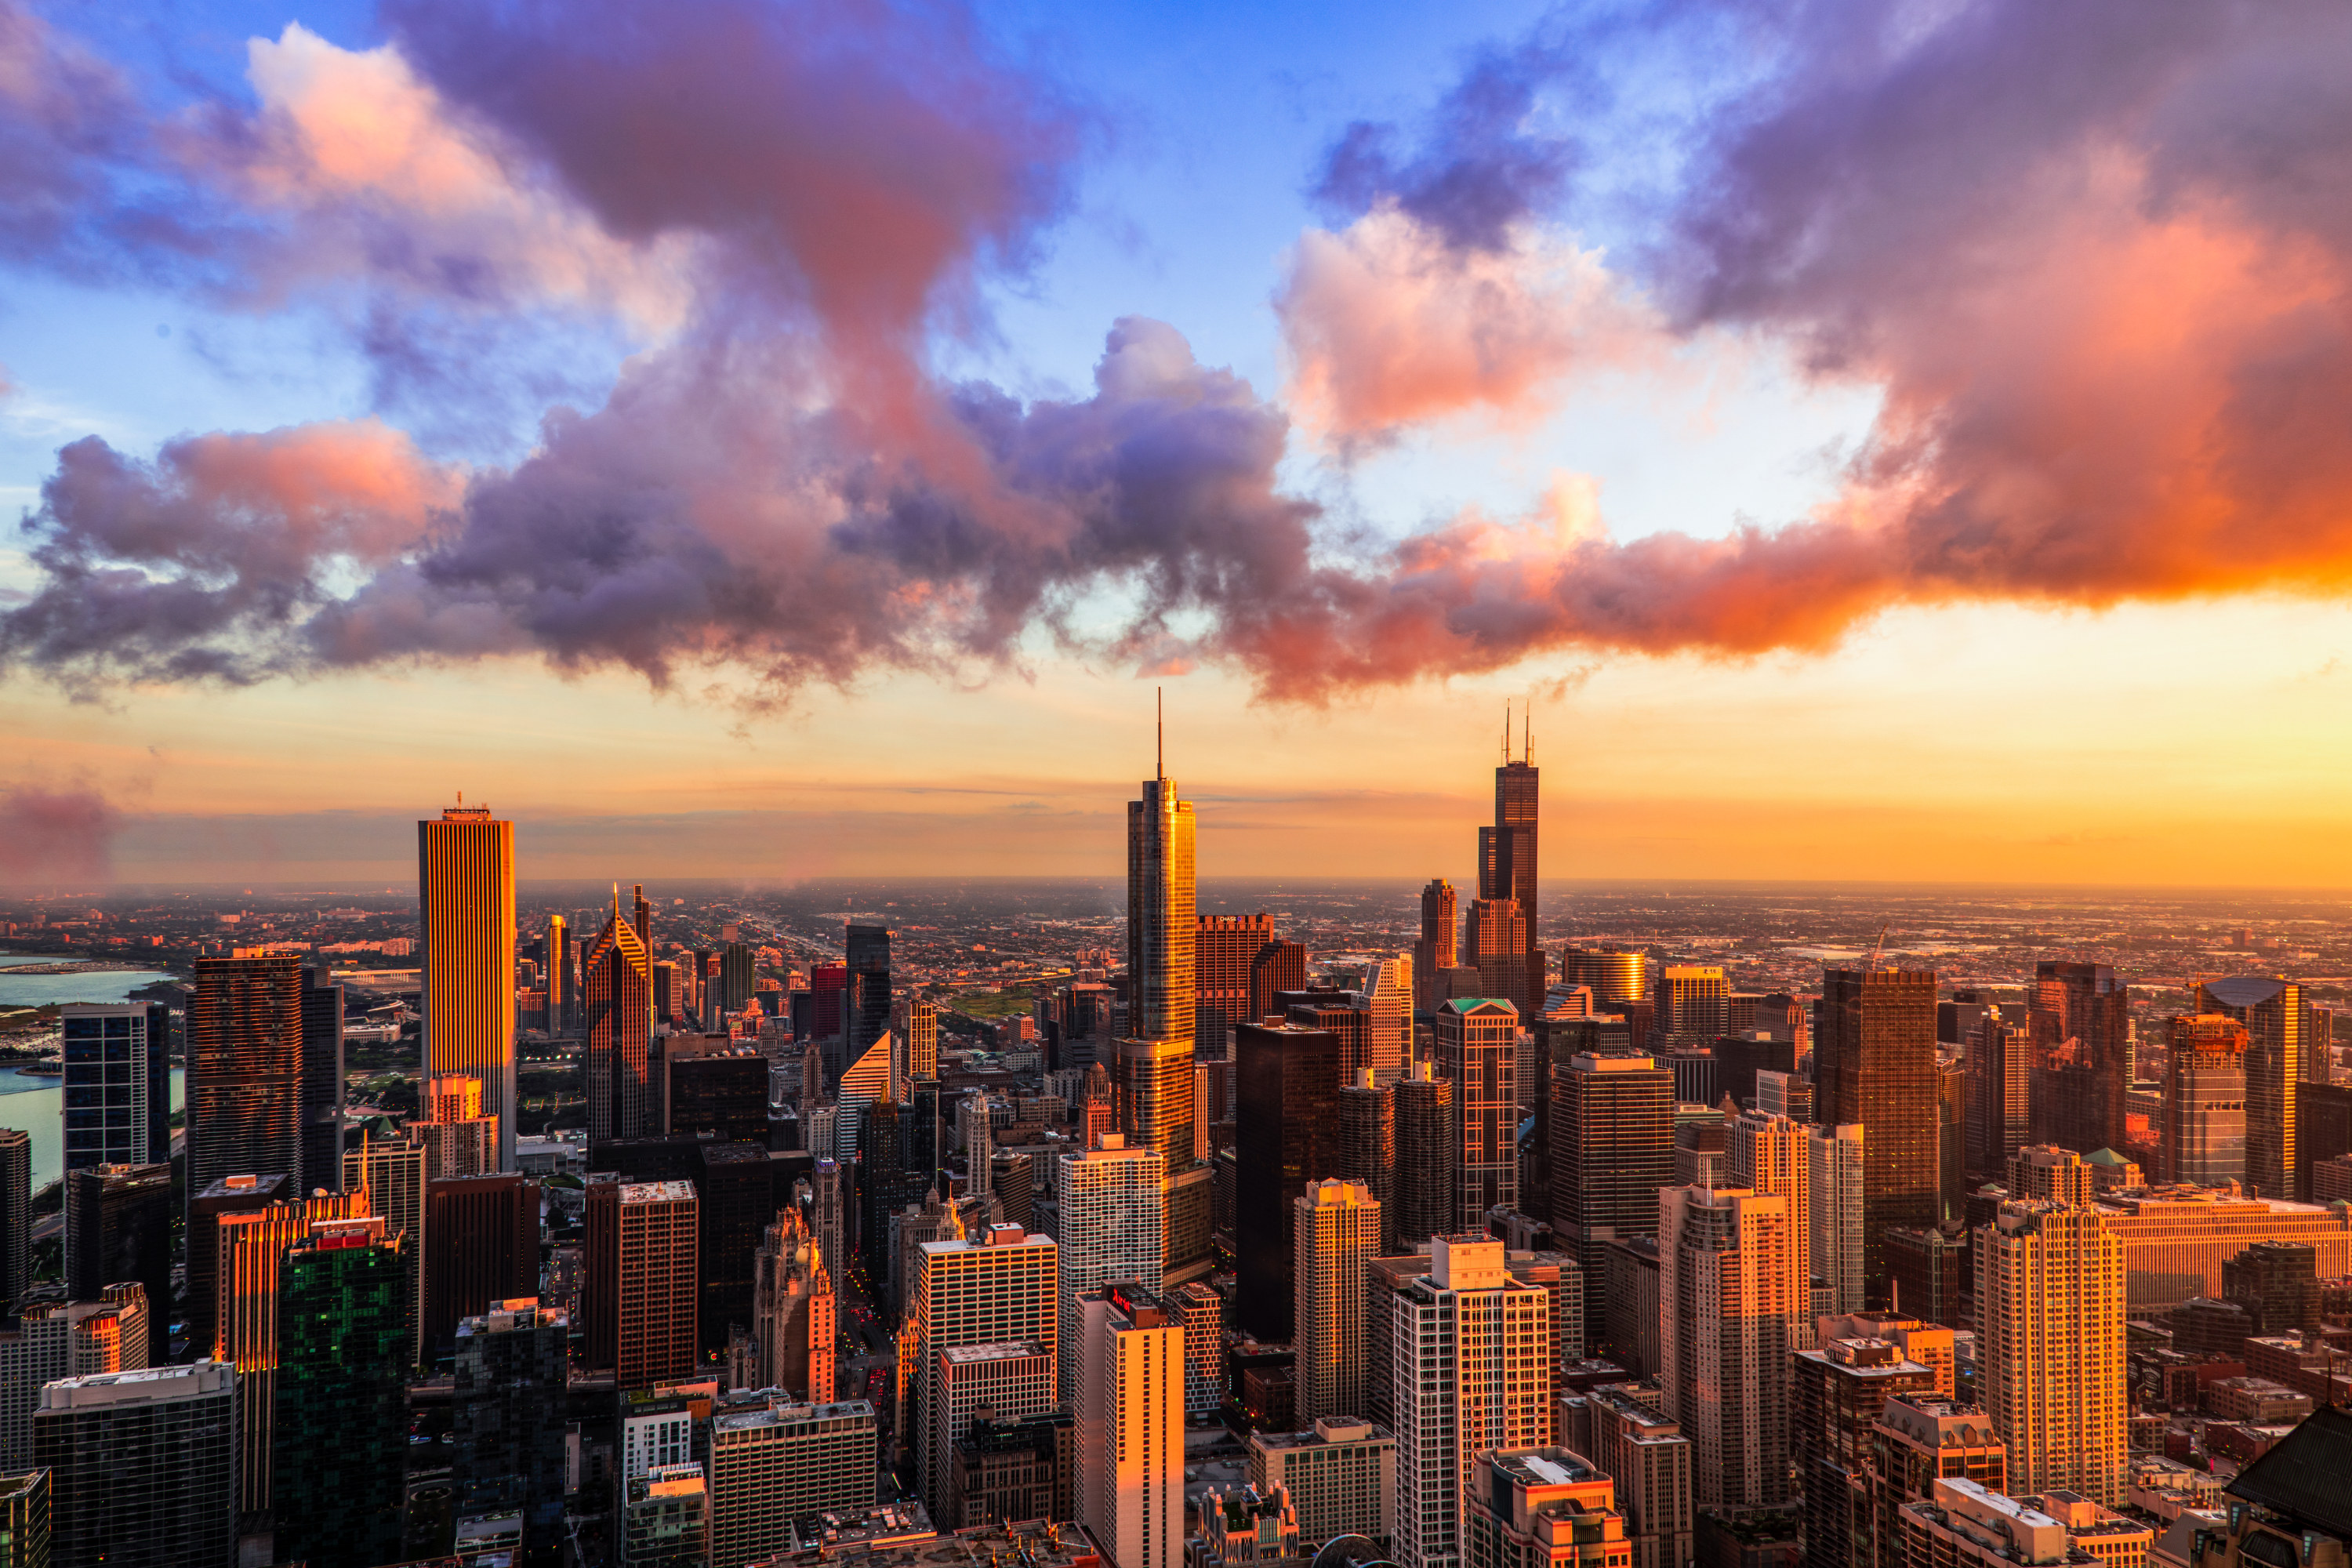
1846	510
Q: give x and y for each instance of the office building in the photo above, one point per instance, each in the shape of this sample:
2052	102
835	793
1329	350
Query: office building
1731	1300
1767	1153
481	1245
252	1248
1161	923
2049	1346
392	1172
58	1339
1224	953
794	1321
507	1414
616	984
1011	1471
1694	1003
2080	1022
2203	1136
1477	1052
1965	1524
1287	1087
1840	1392
1425	1181
737	1197
1785	1094
1917	1441
867	955
1435	949
1507	857
1387	1002
1839	1213
922	1035
560	977
1112	1210
2000	1072
1010	1382
465	918
323	1080
1644	1452
1616	977
143	1466
339	1453
1875	1065
1558	1276
1541	1508
666	1518
643	1294
118	1229
1340	1474
1495	946
17	1221
2278	1015
1130	1426
1364	1124
244	1083
118	1083
2276	1283
771	1467
1335	1233
1469	1348
1612	1149
24	1519
996	1288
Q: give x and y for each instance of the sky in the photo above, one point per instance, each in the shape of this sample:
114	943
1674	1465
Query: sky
1900	441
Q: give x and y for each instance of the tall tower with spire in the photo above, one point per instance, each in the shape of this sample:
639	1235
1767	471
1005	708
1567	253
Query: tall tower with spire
1500	931
465	914
616	984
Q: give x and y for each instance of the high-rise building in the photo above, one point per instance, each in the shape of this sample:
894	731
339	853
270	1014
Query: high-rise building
323	1080
1917	1441
1425	1154
1612	1147
562	996
465	916
1694	1003
994	1289
1477	1052
244	1072
2049	1346
252	1251
59	1339
507	1412
1731	1300
1616	977
393	1173
1111	1211
2279	1028
829	1205
1838	1214
1495	943
481	1245
2000	1091
1507	857
666	1518
1364	1122
642	1293
2203	1136
118	1229
794	1321
1874	1064
341	1447
1541	1508
1162	924
1287	1083
1387	1002
1013	1382
17	1221
616	983
1643	1450
1225	948
24	1519
739	976
118	1083
1841	1390
922	1039
1434	951
1335	1232
1131	1426
771	1467
2081	1021
1469	1347
867	949
143	1466
1341	1474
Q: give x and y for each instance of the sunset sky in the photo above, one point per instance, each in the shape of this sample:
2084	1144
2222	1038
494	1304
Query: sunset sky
1880	441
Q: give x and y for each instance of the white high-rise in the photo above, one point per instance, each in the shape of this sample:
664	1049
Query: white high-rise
1470	1366
1112	1212
1767	1153
1387	1002
1728	1302
996	1290
1130	1426
979	1141
1837	1216
1335	1231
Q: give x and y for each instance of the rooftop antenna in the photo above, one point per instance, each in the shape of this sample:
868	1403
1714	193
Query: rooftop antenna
1160	746
1506	732
1528	735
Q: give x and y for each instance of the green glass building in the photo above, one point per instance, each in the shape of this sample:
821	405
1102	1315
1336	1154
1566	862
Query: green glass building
342	1438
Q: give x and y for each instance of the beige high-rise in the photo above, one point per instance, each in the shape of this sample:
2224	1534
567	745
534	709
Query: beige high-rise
992	1289
1335	1231
1767	1153
465	916
2050	1347
1727	1305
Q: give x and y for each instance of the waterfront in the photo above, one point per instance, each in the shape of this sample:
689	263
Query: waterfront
37	1104
39	990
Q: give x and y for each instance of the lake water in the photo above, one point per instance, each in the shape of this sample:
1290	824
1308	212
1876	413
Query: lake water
37	990
38	1105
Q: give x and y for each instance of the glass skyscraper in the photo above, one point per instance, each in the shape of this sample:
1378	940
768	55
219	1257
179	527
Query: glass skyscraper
117	1084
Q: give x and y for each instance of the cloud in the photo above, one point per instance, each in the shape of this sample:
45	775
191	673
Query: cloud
53	835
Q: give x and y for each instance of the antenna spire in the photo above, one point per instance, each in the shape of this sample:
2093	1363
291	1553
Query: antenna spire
1528	735
1506	732
1159	745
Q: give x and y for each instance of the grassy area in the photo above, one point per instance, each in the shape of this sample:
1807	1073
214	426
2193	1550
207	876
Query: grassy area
993	1003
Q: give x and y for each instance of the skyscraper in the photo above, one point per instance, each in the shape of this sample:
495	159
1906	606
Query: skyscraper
1162	924
1839	1213
997	1288
616	982
341	1447
1111	1211
252	1248
1771	1154
17	1221
506	1407
642	1294
2081	1021
1612	1147
793	1313
869	950
466	915
2203	1136
922	1039
562	1000
24	1519
143	1466
1335	1231
2277	1015
1615	975
1477	1041
1470	1350
1694	1003
244	1072
1424	1155
393	1171
1506	851
323	1081
1495	943
1365	1122
1840	1392
117	1228
1874	1064
118	1083
2001	1082
1434	952
1131	1426
1730	1297
2050	1347
1286	1090
1387	1002
1225	947
481	1245
62	1339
